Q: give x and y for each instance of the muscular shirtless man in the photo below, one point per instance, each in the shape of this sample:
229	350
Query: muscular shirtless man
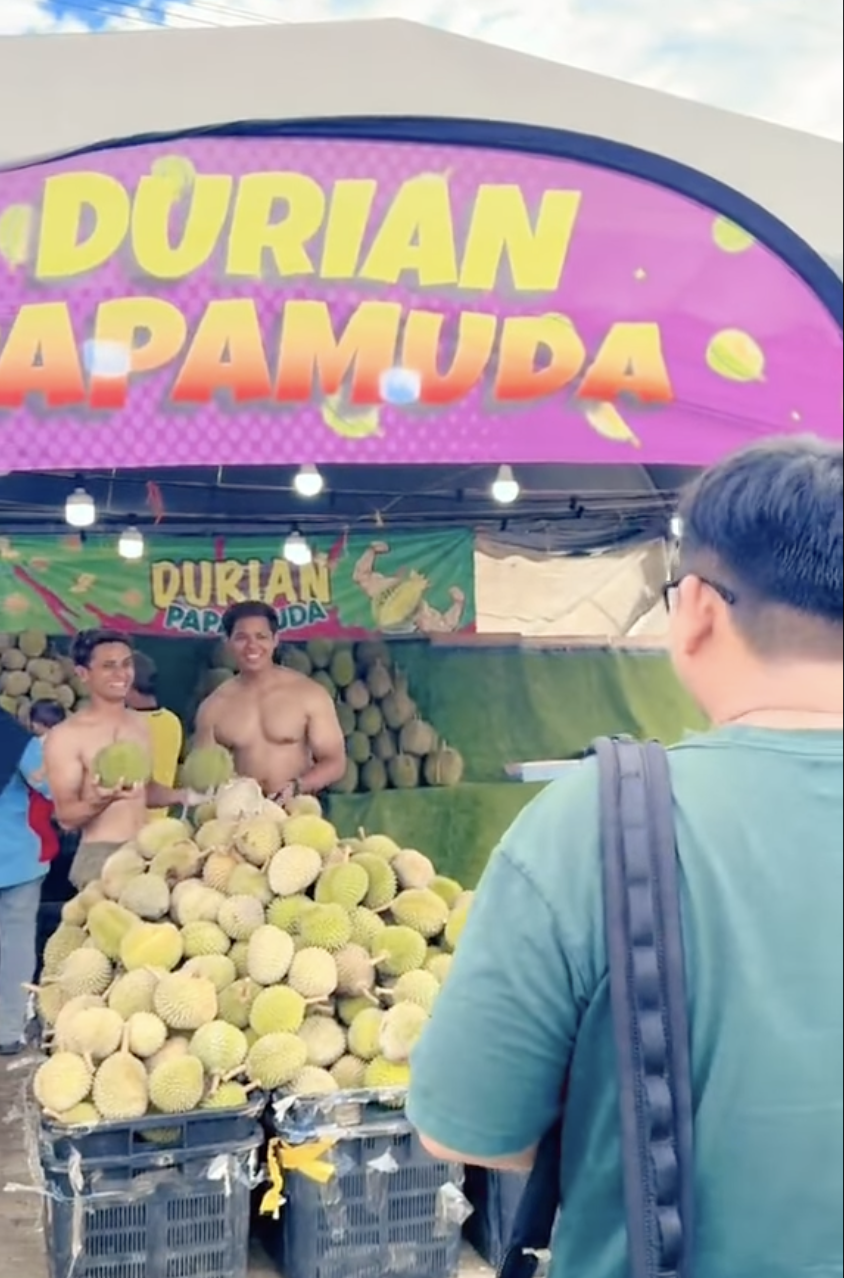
280	726
106	818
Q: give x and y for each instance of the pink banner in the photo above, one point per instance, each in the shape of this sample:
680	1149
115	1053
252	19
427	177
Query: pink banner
243	300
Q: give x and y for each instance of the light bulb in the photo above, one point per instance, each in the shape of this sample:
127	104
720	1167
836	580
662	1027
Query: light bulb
80	510
130	544
676	527
505	488
297	551
308	482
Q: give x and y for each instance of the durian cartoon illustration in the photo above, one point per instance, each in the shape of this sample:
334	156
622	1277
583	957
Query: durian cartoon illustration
735	356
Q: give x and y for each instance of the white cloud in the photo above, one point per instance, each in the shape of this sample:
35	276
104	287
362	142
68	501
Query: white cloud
778	59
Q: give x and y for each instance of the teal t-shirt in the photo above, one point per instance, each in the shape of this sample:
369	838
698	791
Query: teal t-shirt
759	825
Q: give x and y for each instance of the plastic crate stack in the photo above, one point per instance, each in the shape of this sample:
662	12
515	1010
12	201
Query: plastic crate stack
155	1198
361	1197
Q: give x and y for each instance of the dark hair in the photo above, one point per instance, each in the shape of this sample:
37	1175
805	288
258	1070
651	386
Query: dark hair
766	523
87	641
249	608
146	675
46	714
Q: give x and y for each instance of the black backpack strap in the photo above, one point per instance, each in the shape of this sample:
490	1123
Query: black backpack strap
647	981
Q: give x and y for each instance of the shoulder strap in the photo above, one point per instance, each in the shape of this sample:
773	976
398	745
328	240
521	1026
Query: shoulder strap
647	982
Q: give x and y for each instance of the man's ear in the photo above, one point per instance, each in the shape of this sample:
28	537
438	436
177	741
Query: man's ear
696	615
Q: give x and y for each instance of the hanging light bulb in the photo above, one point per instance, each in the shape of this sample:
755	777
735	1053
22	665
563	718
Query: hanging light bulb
296	550
505	488
130	544
308	482
80	510
676	527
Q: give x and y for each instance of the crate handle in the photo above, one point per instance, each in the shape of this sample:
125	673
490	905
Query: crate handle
308	1159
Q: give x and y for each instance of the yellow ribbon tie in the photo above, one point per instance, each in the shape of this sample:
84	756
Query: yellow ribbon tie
307	1159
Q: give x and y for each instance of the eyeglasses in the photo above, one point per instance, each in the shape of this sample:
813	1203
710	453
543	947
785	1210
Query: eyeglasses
724	592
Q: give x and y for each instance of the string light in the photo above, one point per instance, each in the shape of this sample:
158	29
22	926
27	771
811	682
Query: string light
80	509
296	550
130	544
308	482
505	488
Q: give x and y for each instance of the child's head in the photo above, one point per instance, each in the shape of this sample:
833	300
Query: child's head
44	715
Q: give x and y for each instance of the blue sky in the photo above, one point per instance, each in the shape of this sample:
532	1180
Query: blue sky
780	60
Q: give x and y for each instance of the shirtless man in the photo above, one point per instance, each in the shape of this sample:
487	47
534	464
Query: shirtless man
106	818
280	726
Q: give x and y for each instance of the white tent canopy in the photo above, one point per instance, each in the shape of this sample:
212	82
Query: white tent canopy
59	93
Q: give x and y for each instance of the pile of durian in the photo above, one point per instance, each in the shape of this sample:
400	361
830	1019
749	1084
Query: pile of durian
250	948
30	672
388	743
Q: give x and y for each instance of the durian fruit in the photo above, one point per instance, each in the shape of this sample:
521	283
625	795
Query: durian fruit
374	777
304	805
119	870
185	1002
294	868
413	870
324	1039
400	1031
403	771
208	768
193	902
384	1075
248	880
364	1033
94	1033
417	738
215	835
147	1034
107	925
342	667
285	912
438	963
64	1081
455	925
61	944
310	832
357	696
235	1002
421	909
227	1095
443	767
121	1089
349	1008
61	1039
177	1086
366	926
240	916
326	927
84	971
313	974
155	945
81	1115
239	955
275	1060
204	938
348	783
448	889
134	992
174	1049
399	950
313	1081
277	1010
383	884
33	643
348	1073
378	845
421	988
177	861
126	763
258	839
147	895
270	955
379	680
355	970
220	1047
157	835
345	885
239	800
217	968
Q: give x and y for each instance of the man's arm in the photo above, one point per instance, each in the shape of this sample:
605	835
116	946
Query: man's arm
326	744
76	797
204	733
489	1072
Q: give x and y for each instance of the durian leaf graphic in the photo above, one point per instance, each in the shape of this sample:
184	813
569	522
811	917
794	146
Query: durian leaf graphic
15	234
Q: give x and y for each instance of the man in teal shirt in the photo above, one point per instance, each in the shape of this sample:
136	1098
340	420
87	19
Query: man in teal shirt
756	635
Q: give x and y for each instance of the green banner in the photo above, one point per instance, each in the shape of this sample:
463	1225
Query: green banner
355	585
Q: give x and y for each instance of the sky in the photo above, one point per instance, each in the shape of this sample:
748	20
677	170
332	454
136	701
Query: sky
779	60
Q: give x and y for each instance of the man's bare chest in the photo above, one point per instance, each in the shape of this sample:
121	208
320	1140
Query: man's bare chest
274	720
94	738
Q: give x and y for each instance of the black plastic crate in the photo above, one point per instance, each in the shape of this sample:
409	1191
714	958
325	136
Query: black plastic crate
495	1198
161	1214
390	1211
119	1142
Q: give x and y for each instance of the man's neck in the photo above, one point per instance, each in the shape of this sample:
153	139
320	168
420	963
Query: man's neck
792	698
108	710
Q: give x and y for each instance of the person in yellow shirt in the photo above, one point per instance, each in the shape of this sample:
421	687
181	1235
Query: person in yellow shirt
165	727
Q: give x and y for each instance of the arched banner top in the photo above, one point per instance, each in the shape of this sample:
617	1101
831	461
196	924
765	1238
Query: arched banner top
405	290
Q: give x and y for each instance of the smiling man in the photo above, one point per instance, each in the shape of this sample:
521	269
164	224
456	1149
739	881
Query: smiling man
756	635
281	726
105	818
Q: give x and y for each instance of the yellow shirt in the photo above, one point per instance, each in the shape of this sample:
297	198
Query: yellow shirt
166	732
